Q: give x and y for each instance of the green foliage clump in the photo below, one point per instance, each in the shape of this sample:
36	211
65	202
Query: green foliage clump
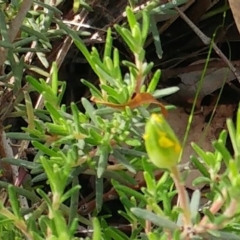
113	124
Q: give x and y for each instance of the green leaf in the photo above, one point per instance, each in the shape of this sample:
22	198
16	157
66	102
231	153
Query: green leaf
125	201
94	91
49	97
35	83
116	64
160	93
70	192
95	135
194	204
103	160
127	37
201	181
121	159
232	134
124	178
32	32
3	27
39	177
55	176
171	5
154	82
23	192
42	58
156	37
20	136
145	25
17	69
129	64
133	152
76	5
60	225
130	192
140	54
133	142
221	148
136	33
29	109
24	41
97	234
74	225
21	163
202	154
104	75
197	164
35	133
118	177
147	67
131	18
54	78
89	110
75	113
209	214
112	92
226	235
109	64
43	222
157	220
74	205
78	42
45	149
95	54
108	45
99	194
115	234
104	111
6	44
150	182
126	215
238	122
14	202
61	93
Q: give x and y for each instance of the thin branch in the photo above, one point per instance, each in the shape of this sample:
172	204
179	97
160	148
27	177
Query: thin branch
207	41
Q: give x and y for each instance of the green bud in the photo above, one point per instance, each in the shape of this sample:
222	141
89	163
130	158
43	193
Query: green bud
161	143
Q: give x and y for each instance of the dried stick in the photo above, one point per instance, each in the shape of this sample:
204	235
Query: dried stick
207	41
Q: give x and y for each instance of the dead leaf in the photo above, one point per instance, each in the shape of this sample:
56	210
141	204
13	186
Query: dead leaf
138	100
212	81
235	7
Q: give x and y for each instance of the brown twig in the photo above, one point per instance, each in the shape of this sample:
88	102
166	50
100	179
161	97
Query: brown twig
207	41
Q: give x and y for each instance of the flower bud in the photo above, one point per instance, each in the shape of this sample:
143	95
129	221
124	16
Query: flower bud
161	143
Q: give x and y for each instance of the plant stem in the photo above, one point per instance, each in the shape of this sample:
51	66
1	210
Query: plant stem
182	196
215	207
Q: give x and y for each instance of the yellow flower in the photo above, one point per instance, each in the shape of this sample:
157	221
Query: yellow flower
161	143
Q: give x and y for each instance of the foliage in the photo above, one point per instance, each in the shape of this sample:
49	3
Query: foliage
80	143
